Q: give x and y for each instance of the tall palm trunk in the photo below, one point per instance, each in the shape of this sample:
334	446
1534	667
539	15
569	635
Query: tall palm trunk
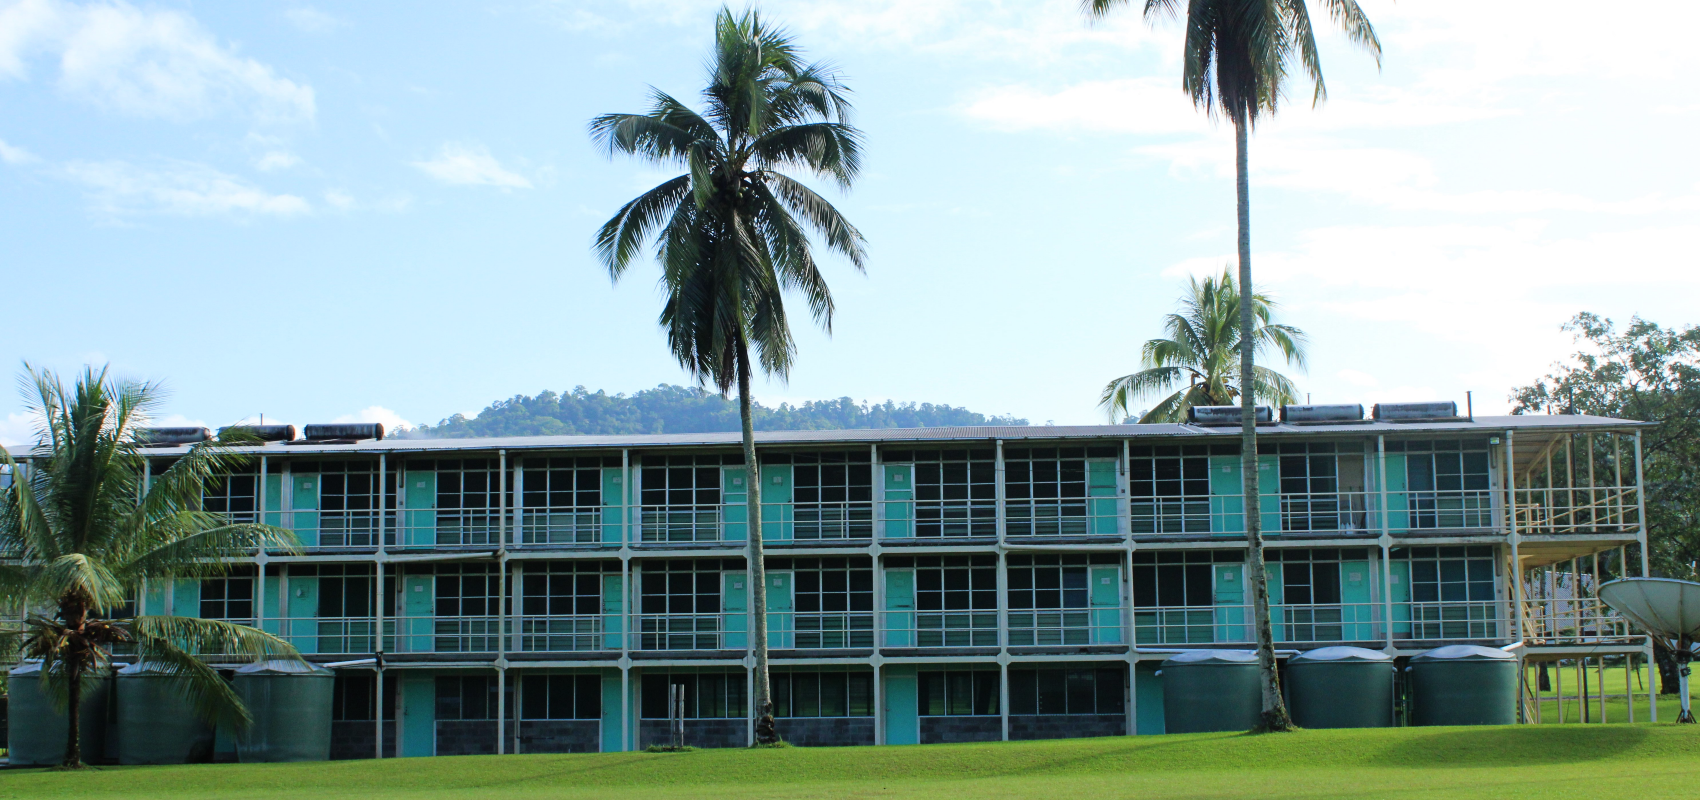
765	733
74	616
1274	710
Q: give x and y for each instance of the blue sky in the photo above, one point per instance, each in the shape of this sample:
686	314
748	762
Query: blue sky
384	210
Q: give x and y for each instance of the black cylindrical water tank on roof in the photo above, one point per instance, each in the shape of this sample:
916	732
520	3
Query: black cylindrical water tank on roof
1211	690
290	702
345	430
1225	415
1464	684
264	433
1347	412
1415	411
159	436
1340	687
35	730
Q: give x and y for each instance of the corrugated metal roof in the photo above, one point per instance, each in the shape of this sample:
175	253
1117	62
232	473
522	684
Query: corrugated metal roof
1483	425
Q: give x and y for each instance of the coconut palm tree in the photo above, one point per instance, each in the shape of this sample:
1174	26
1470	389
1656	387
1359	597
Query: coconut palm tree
1235	64
1203	349
84	531
732	233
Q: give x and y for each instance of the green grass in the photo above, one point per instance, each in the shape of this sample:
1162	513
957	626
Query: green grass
1546	761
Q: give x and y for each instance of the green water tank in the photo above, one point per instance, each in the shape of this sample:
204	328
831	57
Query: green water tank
290	702
1464	684
1340	687
156	724
35	732
1211	690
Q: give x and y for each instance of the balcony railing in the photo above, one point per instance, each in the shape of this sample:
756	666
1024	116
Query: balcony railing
941	628
560	526
821	631
481	634
1329	512
568	633
956	518
679	523
1232	624
1070	517
1575	621
812	521
1065	626
319	635
690	632
1576	510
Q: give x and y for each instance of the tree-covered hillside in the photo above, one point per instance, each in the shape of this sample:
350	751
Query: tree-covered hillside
682	409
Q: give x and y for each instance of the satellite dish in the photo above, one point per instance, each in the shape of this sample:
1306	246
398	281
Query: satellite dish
1663	607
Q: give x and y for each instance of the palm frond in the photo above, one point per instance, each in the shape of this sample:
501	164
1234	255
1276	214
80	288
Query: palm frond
175	644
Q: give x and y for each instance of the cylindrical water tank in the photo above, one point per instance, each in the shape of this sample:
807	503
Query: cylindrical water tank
290	702
1211	690
1464	684
156	724
1340	687
35	732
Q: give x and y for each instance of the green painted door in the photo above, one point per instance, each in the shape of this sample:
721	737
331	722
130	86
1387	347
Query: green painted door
418	610
421	497
902	721
781	621
900	608
1356	610
735	508
1148	699
734	607
186	599
613	611
1400	594
1228	595
304	502
418	715
1102	488
778	515
613	504
612	731
303	604
274	499
1106	605
1227	509
898	502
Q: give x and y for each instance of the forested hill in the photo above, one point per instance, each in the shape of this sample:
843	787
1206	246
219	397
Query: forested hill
683	409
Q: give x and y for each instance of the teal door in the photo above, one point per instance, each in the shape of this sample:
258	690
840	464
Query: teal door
421	518
902	723
899	503
781	621
418	611
900	608
1229	597
418	715
304	501
613	611
735	608
1106	605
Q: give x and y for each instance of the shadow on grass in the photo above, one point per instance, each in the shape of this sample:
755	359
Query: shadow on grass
1506	746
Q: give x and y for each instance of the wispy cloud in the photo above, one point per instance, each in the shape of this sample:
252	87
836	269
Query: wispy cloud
274	160
119	189
312	20
145	62
459	164
12	154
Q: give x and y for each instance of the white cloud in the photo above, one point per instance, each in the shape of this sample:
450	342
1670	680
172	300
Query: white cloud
459	164
17	430
13	154
145	62
388	417
120	189
339	199
1356	378
275	160
312	20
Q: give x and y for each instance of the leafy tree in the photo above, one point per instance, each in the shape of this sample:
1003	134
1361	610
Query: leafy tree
84	531
1203	348
1235	60
732	233
682	409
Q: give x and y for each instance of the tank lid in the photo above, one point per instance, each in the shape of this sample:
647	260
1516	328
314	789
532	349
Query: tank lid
282	666
1213	657
1340	654
30	667
1464	652
148	668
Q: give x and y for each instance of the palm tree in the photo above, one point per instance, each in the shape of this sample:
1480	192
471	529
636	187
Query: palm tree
731	234
1235	63
1202	348
84	531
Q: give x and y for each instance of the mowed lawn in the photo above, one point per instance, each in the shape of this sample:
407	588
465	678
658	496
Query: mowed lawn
1545	761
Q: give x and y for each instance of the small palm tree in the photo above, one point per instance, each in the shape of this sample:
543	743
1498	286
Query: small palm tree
732	233
1203	349
84	531
1235	63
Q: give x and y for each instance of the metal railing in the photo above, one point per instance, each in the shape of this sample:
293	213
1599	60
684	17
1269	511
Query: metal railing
1455	619
1559	510
567	633
956	518
1232	624
1065	626
689	632
1347	512
481	634
829	520
820	630
940	628
560	526
1069	517
1586	620
679	523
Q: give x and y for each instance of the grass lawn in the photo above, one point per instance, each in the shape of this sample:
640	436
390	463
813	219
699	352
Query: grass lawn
1547	761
